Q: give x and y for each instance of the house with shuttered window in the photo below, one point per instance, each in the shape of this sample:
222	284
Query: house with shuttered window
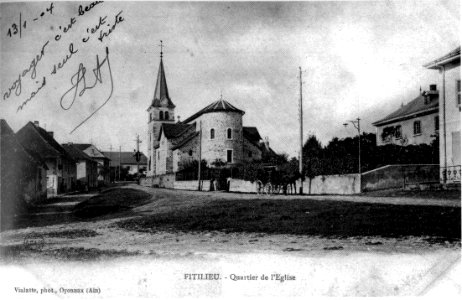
414	123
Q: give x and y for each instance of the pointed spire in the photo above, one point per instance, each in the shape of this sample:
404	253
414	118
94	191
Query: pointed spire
161	91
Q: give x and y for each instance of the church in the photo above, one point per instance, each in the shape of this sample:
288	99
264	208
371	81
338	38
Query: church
214	134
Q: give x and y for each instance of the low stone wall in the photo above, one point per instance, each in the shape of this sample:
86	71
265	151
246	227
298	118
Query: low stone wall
162	181
191	185
399	176
242	186
345	184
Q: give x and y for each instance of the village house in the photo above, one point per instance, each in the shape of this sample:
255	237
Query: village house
215	134
23	175
100	158
87	168
61	174
416	122
126	160
449	115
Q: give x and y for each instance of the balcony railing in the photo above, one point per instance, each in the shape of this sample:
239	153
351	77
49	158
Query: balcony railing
451	174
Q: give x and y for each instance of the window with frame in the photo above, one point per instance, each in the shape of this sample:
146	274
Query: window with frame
417	128
166	115
190	152
212	133
229	156
398	132
161	115
437	123
229	133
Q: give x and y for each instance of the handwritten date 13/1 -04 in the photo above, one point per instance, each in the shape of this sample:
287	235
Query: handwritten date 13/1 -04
79	85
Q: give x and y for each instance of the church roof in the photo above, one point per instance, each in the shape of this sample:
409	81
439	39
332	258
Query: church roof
161	91
252	134
174	130
418	106
220	105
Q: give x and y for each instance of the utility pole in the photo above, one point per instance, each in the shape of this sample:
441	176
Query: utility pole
120	150
300	167
137	154
357	124
200	154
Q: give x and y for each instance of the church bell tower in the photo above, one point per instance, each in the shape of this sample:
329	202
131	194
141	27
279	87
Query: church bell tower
161	110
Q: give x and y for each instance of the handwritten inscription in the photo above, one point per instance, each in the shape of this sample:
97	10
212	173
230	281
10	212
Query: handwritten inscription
16	86
16	28
79	85
118	19
84	78
32	95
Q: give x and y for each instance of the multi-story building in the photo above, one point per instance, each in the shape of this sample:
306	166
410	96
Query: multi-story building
449	114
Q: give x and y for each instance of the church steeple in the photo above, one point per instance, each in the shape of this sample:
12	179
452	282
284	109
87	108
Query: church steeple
161	97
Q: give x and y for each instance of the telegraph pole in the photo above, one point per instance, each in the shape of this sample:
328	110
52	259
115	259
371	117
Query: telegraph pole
300	167
137	154
200	154
120	150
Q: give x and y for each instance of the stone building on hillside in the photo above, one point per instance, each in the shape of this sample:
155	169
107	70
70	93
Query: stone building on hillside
23	178
100	158
61	173
215	134
415	123
87	168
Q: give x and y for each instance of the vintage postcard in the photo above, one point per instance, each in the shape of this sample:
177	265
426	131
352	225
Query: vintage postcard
230	149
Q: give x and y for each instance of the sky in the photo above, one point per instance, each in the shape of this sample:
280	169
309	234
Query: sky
359	59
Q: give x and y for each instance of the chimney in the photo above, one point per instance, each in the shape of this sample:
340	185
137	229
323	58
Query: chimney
51	133
36	123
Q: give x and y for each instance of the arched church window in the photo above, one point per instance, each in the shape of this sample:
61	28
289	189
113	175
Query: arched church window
229	133
166	115
212	134
161	115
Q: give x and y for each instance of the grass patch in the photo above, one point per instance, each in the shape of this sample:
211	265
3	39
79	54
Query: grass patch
307	217
71	234
111	201
428	194
19	252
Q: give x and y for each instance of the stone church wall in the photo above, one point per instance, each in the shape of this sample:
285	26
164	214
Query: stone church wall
216	148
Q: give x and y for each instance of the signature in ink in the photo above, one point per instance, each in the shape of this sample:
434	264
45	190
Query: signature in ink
80	85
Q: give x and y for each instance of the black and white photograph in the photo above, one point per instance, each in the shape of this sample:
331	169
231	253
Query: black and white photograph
230	150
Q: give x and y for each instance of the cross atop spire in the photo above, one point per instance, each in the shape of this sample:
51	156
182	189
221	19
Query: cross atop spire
161	91
161	48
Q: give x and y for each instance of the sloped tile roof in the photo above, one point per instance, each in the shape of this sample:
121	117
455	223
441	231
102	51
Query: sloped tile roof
11	149
126	158
415	107
172	130
76	153
84	147
186	140
220	105
37	140
252	134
